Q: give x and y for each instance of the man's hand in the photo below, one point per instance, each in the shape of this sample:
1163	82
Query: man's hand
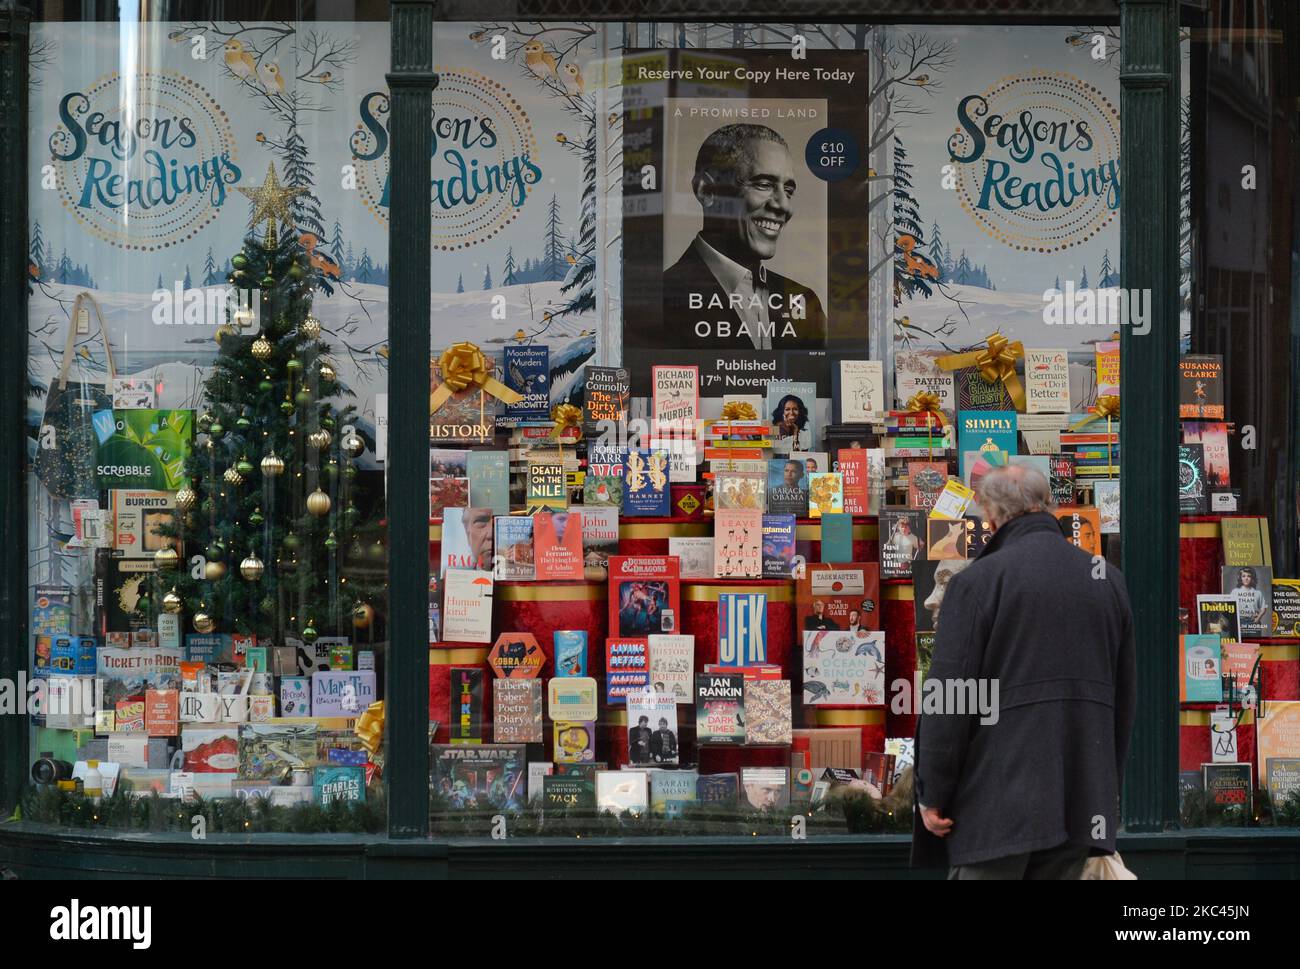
936	823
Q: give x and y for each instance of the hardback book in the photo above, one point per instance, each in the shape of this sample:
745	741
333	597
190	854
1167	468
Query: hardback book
778	546
791	407
599	541
467	606
466	700
1107	368
448	480
853	468
467	416
837	537
490	775
1217	615
1105	496
672	665
652	729
1282	775
683	455
1047	382
740	491
985	430
644	595
528	373
1286	607
672	791
719	708
570	646
1252	587
1062	478
915	371
1213	438
517	711
925	482
1246	541
333	783
859	392
645	483
813	461
738	543
878	771
765	788
557	546
1081	526
623	792
603	483
489	481
976	393
675	398
720	790
1201	678
136	516
1239	663
574	741
767	712
947	538
627	667
513	538
606	391
466	538
568	794
271	751
1193	495
742	628
537	770
902	541
1200	387
120	586
547	487
695	555
838	596
844	667
825	493
787	486
1229	786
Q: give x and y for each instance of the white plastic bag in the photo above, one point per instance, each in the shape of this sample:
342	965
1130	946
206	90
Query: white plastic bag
1106	868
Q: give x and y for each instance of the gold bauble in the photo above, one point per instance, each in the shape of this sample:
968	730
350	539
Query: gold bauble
172	602
166	557
353	445
186	499
318	503
272	466
310	327
204	623
262	348
251	568
363	614
326	371
223	331
214	571
319	439
233	477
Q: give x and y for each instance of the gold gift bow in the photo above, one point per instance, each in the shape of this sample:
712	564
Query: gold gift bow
566	416
996	361
739	410
370	727
463	365
927	403
1107	407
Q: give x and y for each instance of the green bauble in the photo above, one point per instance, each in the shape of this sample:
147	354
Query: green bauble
327	422
294	365
290	541
242	423
350	471
267	605
286	407
240	261
216	430
244	467
257	519
268	281
331	543
143	604
265	385
216	550
309	633
331	470
303	397
206	506
295	272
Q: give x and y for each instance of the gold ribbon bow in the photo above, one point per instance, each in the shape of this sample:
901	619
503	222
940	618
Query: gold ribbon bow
926	402
463	365
370	727
996	361
739	410
1107	407
566	416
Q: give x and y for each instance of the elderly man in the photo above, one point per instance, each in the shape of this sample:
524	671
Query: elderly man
1031	790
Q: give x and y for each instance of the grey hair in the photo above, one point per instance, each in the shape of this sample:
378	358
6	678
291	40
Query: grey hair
1011	491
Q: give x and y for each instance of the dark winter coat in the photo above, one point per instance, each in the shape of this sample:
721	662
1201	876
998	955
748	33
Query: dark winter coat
1036	614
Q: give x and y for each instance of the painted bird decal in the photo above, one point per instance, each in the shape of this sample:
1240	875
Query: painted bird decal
271	78
571	78
239	61
538	60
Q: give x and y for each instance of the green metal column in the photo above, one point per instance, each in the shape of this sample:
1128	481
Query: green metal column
1149	421
15	24
410	83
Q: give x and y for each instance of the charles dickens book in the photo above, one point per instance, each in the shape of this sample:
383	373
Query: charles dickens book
1252	587
557	545
603	483
985	430
902	541
976	393
1217	615
1193	496
514	548
738	544
1246	541
742	628
517	711
486	776
740	490
1061	478
627	667
645	483
787	487
466	698
1286	607
719	708
528	373
467	606
925	483
599	541
790	406
672	665
332	783
778	546
605	397
1200	387
546	482
767	712
672	791
463	416
1228	786
859	392
448	480
644	595
489	481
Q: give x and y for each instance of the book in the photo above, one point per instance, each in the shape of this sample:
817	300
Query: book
902	541
528	373
1213	438
466	700
1192	492
742	628
974	393
570	646
1107	368
1047	381
1201	669
947	539
162	712
546	484
568	794
852	464
695	555
767	712
1106	498
740	491
925	482
342	693
930	583
651	729
537	770
603	483
915	371
1228	786
672	791
837	537
1200	387
622	792
1239	661
825	493
986	430
605	398
1081	526
448	480
765	788
675	399
627	667
719	708
466	538
778	546
121	588
844	667
790	406
1217	615
644	595
517	711
859	391
1282	775
1286	607
1252	586
557	546
719	790
136	516
467	606
738	543
463	416
1246	541
672	665
599	541
486	776
787	486
513	541
489	481
645	483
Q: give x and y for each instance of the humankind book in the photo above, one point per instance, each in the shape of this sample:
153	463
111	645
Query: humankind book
787	487
742	628
719	708
1200	387
1252	587
778	546
599	541
606	391
603	484
791	407
514	548
466	538
672	665
902	541
489	481
467	606
925	483
557	546
645	484
644	595
448	480
1217	615
738	544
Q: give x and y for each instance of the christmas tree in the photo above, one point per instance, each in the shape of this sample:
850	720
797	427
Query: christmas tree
277	510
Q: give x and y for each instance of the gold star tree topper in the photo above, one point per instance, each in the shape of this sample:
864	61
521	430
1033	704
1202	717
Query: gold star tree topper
271	202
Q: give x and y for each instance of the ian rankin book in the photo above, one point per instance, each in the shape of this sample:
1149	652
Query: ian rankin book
720	708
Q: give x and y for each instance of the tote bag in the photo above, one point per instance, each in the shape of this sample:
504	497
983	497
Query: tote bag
67	443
